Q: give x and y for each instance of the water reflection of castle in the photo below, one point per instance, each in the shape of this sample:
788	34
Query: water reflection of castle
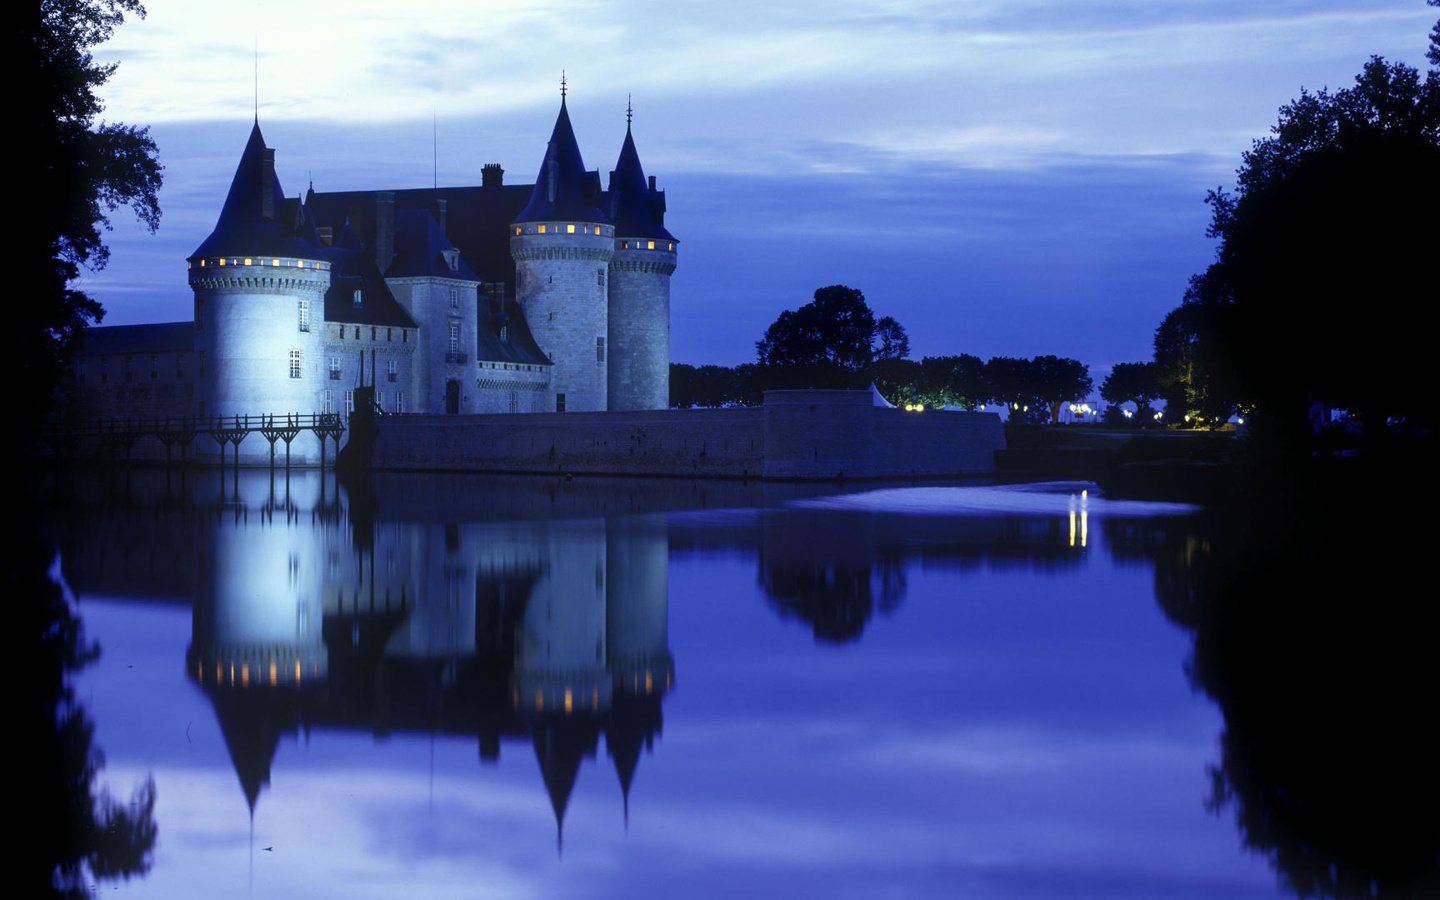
551	630
503	609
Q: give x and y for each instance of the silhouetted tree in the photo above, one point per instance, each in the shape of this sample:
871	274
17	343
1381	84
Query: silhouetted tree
1132	383
830	342
1060	380
76	172
1195	353
1327	247
1011	382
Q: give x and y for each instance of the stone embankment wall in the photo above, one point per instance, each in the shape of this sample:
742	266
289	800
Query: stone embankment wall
795	435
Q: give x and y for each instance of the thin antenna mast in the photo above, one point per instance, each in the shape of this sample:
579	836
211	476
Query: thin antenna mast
434	151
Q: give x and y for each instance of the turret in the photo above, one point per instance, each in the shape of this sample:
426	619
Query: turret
259	286
562	243
639	299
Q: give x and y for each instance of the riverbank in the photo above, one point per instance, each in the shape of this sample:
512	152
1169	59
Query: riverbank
1161	464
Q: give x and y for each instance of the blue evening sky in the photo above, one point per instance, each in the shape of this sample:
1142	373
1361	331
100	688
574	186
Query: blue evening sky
1005	178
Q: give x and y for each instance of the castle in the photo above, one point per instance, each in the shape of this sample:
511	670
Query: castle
492	298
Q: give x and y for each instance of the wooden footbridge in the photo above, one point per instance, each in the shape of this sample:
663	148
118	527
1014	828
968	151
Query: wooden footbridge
117	437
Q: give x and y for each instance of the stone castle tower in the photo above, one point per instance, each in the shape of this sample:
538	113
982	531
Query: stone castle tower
562	244
259	300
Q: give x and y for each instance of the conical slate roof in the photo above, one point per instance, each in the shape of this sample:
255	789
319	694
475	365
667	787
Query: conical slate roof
563	189
633	206
250	224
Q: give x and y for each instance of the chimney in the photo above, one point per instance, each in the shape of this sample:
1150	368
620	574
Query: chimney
652	184
439	211
384	229
491	175
267	185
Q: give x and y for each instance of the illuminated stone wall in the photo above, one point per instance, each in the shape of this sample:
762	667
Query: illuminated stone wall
639	326
562	276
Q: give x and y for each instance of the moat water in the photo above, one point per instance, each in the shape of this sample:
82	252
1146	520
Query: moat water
459	687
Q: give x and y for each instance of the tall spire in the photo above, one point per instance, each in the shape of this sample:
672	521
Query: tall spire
563	188
562	87
249	221
635	207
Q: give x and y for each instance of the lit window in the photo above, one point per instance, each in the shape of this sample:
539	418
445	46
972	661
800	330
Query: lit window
671	247
541	229
624	245
518	229
569	229
651	245
222	260
247	260
304	315
597	229
294	363
274	263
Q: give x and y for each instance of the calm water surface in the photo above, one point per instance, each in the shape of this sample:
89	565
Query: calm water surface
462	687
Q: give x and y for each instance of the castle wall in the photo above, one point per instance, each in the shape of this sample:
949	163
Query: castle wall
502	387
142	385
440	305
639	325
797	435
562	277
390	355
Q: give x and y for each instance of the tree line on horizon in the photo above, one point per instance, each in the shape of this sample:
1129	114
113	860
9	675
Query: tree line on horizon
836	342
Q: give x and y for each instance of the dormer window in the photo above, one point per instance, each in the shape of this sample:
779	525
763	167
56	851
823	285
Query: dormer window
452	259
504	333
358	297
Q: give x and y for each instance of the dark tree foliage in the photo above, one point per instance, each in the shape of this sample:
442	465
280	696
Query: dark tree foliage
76	171
1433	54
833	341
1195	354
1060	380
953	381
1136	383
1012	383
1327	253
